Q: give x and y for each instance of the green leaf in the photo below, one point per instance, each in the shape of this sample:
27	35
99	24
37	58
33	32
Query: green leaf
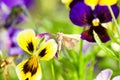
102	46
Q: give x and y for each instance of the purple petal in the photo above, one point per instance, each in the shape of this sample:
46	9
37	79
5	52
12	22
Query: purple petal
103	13
86	46
88	35
5	41
13	34
115	10
116	78
56	55
4	11
45	35
74	2
29	3
15	51
13	31
104	75
101	31
81	14
11	3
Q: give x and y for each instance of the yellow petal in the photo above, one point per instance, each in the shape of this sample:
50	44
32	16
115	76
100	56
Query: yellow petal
100	2
47	50
107	2
29	69
27	41
67	2
91	2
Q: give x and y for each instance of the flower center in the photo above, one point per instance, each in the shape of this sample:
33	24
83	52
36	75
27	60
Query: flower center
96	22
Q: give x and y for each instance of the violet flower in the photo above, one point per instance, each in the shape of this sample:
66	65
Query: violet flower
82	15
106	75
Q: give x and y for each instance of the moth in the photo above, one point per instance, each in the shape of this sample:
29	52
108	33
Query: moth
68	40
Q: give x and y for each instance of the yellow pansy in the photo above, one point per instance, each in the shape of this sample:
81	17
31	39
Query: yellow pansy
30	68
100	2
67	2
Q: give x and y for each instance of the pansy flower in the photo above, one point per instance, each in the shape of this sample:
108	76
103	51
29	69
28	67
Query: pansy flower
106	75
30	68
82	15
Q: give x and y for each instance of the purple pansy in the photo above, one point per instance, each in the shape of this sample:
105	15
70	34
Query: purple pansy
82	15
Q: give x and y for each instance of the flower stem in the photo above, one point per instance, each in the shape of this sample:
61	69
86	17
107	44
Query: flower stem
115	21
52	68
81	62
91	68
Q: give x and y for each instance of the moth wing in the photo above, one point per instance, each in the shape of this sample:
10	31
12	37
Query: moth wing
70	41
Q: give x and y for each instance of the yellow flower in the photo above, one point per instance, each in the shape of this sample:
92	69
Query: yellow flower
30	68
100	2
67	2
